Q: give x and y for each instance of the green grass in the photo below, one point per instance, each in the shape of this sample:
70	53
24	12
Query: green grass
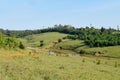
77	45
34	40
43	66
51	67
13	51
113	51
69	44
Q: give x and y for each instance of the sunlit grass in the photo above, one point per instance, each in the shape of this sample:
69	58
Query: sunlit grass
38	64
77	45
34	40
50	67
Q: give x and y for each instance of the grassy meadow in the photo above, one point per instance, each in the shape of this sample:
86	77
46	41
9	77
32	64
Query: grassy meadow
43	66
38	64
77	45
34	40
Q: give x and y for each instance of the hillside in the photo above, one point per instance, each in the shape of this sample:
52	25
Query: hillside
68	44
78	45
39	64
34	40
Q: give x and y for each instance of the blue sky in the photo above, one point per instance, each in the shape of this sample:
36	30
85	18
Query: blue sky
34	14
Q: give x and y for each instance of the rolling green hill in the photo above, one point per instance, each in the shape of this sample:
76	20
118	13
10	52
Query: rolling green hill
77	45
113	51
67	44
34	40
38	64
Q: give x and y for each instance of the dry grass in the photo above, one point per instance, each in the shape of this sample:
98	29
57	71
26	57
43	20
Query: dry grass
51	67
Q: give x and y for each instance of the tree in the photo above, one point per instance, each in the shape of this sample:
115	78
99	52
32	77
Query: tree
41	43
59	40
102	29
82	52
21	46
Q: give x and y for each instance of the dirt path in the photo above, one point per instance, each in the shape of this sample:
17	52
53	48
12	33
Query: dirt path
47	47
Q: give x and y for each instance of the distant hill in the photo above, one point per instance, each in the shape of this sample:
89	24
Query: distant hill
34	40
78	45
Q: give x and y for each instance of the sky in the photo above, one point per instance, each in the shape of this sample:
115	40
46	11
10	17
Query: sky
38	14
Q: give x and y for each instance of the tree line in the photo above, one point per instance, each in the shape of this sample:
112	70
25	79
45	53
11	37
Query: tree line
98	37
92	37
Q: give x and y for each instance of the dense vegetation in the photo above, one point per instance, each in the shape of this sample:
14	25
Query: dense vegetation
103	40
68	29
39	64
98	37
10	42
92	37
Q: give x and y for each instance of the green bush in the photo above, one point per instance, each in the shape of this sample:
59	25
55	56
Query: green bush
41	43
21	46
98	62
82	52
83	60
116	65
59	40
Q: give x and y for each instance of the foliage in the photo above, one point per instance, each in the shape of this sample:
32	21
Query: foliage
97	38
41	43
34	40
59	40
9	42
93	37
98	62
21	46
67	29
103	40
82	52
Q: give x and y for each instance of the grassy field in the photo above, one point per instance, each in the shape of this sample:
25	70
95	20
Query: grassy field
34	40
78	45
69	44
43	66
38	64
75	45
113	51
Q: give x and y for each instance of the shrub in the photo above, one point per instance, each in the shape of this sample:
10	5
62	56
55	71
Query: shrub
46	78
21	46
116	64
61	67
41	43
60	48
83	60
82	52
59	40
98	62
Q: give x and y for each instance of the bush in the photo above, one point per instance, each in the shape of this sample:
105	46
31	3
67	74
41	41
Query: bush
98	62
82	52
61	67
59	40
83	60
41	43
46	78
116	64
21	46
8	42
